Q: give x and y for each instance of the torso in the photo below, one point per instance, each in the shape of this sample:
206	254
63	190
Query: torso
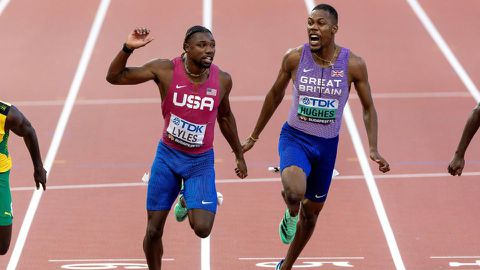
319	95
190	110
5	160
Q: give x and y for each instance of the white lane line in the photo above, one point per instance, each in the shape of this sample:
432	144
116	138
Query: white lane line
454	257
105	260
3	5
447	52
133	101
207	14
305	258
391	177
59	130
205	242
369	179
373	189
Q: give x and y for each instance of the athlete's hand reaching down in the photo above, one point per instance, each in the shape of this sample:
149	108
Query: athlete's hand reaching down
241	169
138	38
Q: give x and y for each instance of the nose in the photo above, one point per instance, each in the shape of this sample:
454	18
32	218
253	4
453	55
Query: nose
210	49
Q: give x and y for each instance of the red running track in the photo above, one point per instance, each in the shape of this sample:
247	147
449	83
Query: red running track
113	131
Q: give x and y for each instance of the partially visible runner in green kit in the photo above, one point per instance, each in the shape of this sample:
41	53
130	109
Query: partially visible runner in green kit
11	119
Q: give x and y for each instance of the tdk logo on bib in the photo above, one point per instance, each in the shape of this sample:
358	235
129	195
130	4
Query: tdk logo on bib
319	103
185	133
193	102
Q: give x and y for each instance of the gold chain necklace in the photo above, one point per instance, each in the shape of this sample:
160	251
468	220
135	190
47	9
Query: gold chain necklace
329	62
188	71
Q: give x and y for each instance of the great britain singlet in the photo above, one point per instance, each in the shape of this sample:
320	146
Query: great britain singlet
5	160
190	111
319	95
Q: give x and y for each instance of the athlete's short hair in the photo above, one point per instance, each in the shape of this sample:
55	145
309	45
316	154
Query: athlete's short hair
192	30
328	9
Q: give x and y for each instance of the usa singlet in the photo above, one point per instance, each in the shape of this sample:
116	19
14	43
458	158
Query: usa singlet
5	160
319	95
190	111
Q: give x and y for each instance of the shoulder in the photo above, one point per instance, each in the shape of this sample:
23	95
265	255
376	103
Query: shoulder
14	116
357	68
355	62
225	79
292	57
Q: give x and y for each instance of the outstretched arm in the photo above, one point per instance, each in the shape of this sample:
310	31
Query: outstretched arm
228	126
118	73
359	76
19	124
274	96
458	162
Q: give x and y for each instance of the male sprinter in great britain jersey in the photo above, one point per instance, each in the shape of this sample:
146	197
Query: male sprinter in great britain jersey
11	119
194	94
322	73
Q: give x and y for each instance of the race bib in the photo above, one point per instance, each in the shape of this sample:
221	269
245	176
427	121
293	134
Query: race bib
185	133
318	110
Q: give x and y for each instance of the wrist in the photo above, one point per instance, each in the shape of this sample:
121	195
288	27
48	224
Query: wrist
239	154
459	154
127	49
253	138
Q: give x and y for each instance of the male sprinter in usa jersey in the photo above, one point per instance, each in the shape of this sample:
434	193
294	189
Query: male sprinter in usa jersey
11	119
194	94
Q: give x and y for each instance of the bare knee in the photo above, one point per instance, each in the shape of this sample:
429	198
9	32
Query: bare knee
4	248
153	234
201	230
294	183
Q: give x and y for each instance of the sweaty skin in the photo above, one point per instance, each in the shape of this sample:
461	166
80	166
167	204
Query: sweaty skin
199	54
321	29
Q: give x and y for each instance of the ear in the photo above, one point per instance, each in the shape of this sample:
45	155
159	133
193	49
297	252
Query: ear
186	46
334	29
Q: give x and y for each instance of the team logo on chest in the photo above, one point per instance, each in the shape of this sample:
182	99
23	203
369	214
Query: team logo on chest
193	101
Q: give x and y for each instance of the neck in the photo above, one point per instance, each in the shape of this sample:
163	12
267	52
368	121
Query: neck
326	55
327	51
192	69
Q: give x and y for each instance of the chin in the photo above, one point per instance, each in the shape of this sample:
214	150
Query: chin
315	48
205	65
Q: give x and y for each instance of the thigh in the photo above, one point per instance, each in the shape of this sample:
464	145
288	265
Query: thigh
6	213
292	153
320	178
199	190
164	184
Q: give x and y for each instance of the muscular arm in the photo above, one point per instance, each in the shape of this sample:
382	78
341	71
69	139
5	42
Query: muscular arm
458	162
19	124
275	95
228	126
159	70
359	77
118	73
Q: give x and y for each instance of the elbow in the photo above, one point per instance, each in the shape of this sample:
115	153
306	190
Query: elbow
111	79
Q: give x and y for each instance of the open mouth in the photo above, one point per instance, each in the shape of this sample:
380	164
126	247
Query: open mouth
314	39
208	59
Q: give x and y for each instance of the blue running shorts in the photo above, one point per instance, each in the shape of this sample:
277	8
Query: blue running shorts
170	167
314	155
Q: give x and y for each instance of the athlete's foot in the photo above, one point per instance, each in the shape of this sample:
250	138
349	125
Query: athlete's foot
180	209
279	265
287	227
